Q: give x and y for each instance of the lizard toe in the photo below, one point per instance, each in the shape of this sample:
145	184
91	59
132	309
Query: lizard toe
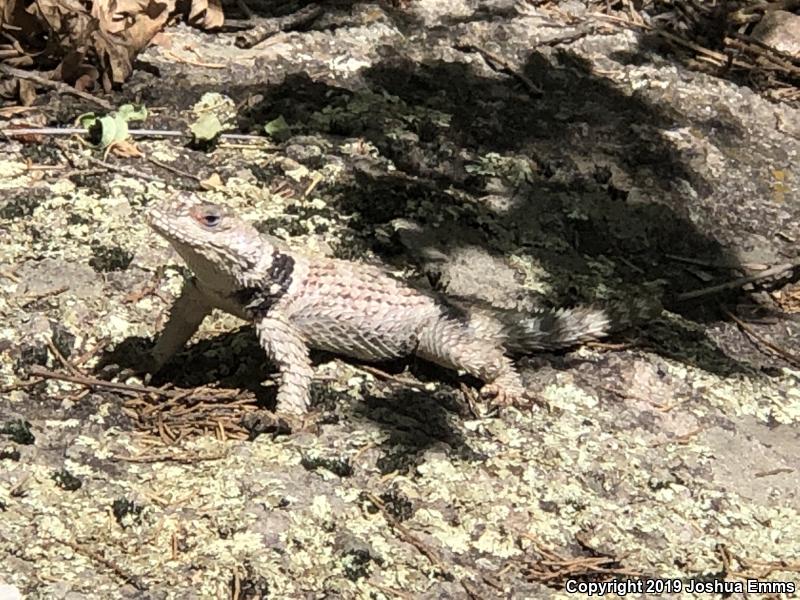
500	396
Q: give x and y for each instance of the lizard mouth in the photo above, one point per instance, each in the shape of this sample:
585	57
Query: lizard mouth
156	219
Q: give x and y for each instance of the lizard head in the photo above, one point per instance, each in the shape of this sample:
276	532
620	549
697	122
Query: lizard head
208	236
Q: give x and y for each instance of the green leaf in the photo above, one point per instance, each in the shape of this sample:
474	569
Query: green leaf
113	127
132	112
86	120
277	128
206	128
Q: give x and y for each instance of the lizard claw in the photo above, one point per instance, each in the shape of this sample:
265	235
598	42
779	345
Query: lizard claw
262	421
500	396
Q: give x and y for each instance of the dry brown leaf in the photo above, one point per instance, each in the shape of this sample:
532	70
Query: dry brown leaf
63	15
789	298
74	69
115	16
115	60
212	182
7	8
14	13
8	88
105	11
27	92
148	23
91	41
123	149
126	28
85	81
206	14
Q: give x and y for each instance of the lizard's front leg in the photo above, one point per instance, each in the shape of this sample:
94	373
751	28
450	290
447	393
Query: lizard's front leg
286	348
185	317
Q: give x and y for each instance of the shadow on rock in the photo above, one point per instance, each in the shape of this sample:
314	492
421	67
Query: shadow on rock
581	177
582	181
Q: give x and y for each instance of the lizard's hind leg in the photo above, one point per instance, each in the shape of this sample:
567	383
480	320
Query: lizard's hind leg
454	345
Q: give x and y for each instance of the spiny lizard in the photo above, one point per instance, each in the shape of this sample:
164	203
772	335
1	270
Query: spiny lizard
297	302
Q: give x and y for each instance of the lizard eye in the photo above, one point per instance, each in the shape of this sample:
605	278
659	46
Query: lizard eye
207	215
211	219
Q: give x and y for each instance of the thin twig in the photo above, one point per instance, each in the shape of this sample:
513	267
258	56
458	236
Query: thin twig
777	63
737	283
163	406
10	274
184	459
553	566
421	546
237	584
793	60
407	536
155	133
60	86
701	263
718	58
380	374
788	356
47	294
262	28
683	438
126	388
194	63
172	169
130	172
778	471
134	580
62	359
502	65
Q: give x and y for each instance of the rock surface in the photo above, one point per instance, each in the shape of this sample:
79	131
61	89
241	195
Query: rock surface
781	30
671	453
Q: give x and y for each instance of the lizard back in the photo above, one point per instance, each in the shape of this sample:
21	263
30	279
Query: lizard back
359	310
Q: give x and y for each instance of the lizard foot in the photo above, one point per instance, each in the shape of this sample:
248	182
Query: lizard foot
500	396
265	422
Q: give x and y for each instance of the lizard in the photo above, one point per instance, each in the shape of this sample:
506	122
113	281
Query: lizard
297	302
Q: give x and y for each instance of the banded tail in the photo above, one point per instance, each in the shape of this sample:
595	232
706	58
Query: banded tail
558	328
